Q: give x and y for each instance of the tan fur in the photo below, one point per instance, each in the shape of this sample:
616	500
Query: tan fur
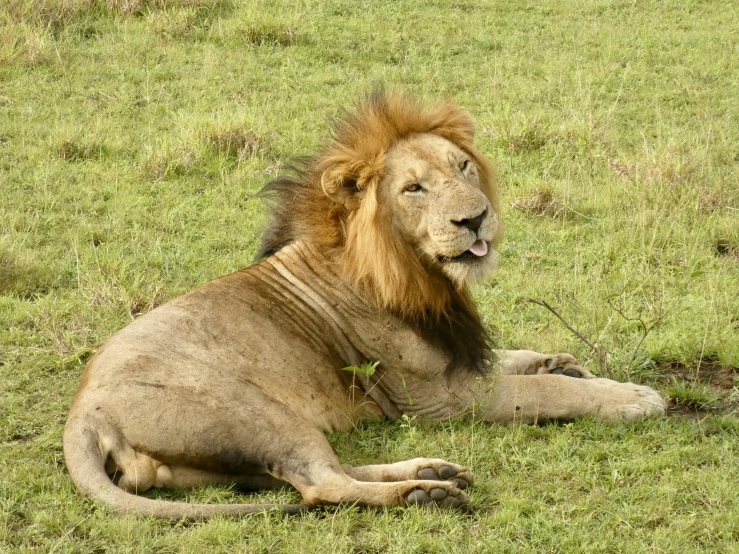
367	258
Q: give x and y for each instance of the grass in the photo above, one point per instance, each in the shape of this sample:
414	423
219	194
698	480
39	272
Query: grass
133	136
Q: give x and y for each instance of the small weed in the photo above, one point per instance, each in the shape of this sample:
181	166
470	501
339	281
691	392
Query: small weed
367	369
692	395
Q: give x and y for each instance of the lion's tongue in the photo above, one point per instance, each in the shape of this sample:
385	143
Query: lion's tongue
480	248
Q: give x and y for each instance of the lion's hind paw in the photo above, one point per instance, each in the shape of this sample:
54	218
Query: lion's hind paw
441	494
455	474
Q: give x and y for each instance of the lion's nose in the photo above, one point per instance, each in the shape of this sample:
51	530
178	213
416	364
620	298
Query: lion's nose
471	223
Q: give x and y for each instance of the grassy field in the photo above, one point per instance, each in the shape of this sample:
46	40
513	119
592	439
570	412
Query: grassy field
135	133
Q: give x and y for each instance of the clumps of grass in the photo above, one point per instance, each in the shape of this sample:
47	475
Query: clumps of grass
269	33
171	162
75	150
727	248
23	278
140	303
134	297
694	396
533	135
709	201
138	7
671	166
543	203
236	144
725	424
627	170
44	14
57	14
22	42
28	26
173	23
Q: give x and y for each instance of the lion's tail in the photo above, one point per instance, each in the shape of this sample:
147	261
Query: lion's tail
87	469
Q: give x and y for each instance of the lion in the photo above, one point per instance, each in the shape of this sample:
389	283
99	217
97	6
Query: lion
368	256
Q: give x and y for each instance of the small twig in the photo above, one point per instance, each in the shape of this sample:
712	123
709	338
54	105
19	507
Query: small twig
577	333
596	348
645	330
69	532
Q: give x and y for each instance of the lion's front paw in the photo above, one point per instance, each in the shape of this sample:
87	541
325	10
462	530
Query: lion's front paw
629	401
563	364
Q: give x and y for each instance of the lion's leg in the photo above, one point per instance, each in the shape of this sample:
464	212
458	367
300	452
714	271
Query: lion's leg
244	431
303	458
531	398
528	362
418	468
313	469
169	476
136	472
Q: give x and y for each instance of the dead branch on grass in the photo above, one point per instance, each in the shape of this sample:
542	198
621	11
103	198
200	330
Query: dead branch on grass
645	329
597	349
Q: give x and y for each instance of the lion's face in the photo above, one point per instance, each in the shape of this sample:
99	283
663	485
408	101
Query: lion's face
432	194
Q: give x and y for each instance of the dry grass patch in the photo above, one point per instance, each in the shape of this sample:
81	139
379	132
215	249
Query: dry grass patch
710	201
276	34
24	42
530	136
668	165
56	14
173	23
28	26
76	151
22	278
725	247
543	203
236	144
627	170
177	161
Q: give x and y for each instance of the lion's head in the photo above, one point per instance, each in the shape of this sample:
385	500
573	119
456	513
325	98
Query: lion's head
401	200
434	199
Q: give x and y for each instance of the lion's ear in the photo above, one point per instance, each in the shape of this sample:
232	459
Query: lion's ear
339	186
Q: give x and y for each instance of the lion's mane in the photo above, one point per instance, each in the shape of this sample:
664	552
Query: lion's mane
330	200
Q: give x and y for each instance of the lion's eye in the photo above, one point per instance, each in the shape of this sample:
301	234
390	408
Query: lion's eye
464	165
415	187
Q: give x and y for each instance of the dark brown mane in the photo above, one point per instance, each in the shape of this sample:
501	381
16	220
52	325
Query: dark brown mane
330	201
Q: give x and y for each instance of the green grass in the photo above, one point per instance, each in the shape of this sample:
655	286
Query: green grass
134	135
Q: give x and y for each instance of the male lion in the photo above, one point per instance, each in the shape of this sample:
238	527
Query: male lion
368	255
